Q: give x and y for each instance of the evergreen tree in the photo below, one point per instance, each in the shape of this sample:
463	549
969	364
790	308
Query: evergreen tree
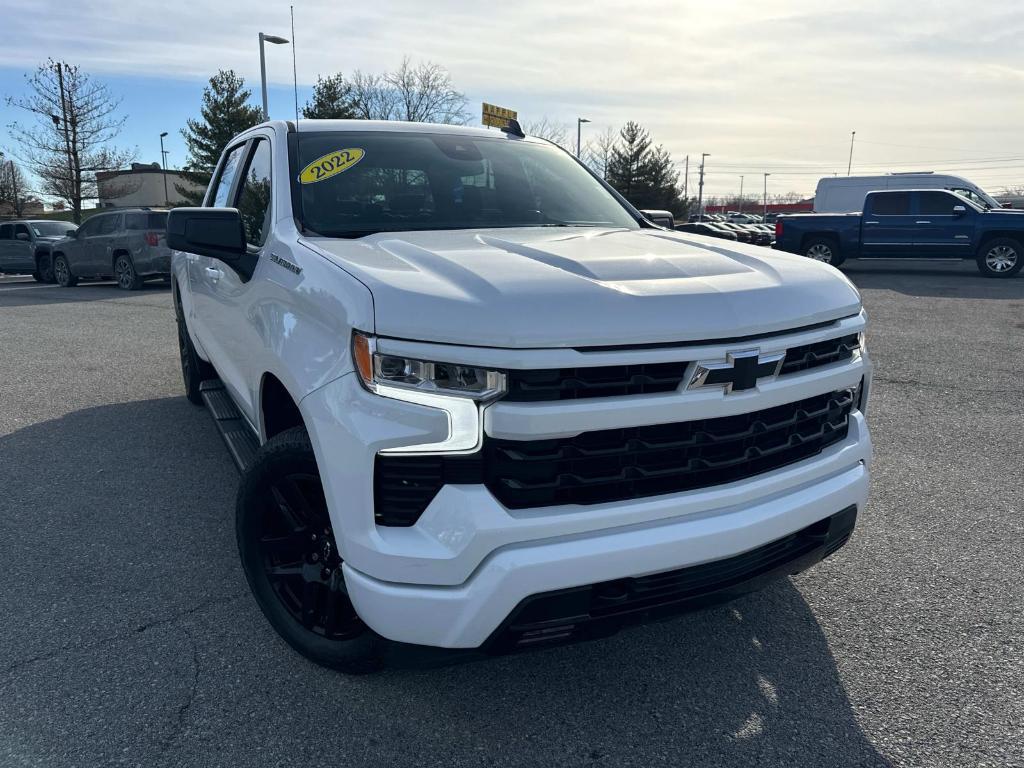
332	100
645	175
226	112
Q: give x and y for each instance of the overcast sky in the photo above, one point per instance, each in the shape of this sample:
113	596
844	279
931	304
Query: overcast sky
762	86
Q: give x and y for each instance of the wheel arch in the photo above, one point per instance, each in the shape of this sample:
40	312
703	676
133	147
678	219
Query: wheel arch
832	237
119	251
995	234
278	409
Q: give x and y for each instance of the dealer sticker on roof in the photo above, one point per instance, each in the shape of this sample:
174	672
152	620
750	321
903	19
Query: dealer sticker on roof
330	164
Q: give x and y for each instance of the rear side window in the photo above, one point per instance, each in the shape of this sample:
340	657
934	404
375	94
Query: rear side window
891	204
936	203
146	221
254	200
227	175
6	232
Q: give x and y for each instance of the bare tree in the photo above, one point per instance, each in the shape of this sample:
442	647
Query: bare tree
14	190
75	119
545	128
597	153
421	93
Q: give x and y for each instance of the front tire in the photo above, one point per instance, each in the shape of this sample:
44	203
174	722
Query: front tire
124	272
62	272
824	249
194	370
1000	257
44	269
291	560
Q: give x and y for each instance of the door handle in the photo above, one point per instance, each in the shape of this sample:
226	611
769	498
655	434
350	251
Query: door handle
870	222
922	222
214	273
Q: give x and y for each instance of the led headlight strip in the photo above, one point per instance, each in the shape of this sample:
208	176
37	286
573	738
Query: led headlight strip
461	391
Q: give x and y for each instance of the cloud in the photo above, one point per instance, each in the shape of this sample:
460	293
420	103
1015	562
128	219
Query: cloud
747	81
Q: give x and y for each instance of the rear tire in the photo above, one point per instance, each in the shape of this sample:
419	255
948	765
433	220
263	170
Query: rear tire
824	249
194	370
291	560
62	272
1000	257
125	275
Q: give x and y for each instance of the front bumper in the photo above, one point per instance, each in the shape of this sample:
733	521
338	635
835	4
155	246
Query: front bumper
465	616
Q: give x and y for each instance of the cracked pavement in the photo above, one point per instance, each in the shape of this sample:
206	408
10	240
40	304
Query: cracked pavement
128	637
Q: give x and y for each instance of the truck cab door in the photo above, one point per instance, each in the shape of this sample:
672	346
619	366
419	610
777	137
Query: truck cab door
22	250
204	272
887	225
945	225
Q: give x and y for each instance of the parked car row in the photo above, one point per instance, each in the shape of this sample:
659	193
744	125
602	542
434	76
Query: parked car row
129	246
756	234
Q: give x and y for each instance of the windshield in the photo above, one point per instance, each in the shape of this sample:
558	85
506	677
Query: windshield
352	184
977	197
51	228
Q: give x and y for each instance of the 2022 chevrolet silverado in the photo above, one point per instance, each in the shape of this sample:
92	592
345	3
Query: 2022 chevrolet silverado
920	223
479	402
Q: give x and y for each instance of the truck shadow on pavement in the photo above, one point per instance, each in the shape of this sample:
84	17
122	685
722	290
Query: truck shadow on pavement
140	643
938	279
30	293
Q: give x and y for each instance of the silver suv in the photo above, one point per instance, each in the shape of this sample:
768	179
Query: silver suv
25	246
129	246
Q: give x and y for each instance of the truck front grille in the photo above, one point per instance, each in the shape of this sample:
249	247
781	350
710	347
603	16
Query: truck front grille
525	386
618	464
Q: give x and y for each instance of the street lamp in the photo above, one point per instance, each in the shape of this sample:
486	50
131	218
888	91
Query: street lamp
766	196
163	169
579	122
263	66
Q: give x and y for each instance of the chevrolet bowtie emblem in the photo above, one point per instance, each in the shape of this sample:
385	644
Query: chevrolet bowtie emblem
740	371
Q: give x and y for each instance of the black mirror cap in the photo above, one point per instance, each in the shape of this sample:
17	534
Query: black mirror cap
213	232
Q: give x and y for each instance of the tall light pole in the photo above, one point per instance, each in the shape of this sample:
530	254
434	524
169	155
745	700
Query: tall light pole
700	188
849	165
579	122
263	66
163	169
765	216
741	194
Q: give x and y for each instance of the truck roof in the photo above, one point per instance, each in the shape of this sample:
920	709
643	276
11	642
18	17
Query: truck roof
395	126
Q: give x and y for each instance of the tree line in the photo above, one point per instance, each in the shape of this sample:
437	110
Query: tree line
73	123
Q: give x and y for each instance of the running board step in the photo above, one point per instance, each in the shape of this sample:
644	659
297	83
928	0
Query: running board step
242	443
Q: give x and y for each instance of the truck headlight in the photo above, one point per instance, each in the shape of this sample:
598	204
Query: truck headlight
459	390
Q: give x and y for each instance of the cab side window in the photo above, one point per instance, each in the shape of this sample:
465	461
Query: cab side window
6	232
227	176
108	225
89	228
255	198
936	203
21	229
891	204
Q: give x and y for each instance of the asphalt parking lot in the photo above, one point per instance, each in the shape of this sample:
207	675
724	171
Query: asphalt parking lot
128	636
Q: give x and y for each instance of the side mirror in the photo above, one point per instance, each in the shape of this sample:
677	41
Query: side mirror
213	232
21	236
959	210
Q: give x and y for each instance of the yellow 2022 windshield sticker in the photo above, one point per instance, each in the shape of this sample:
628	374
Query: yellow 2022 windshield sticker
330	164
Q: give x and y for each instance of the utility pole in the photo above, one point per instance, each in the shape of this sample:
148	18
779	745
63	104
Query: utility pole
849	165
700	188
686	179
741	194
163	169
765	216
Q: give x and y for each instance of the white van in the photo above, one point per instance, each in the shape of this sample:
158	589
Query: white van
845	194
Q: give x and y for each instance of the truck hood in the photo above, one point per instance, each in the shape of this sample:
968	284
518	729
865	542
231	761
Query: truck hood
522	288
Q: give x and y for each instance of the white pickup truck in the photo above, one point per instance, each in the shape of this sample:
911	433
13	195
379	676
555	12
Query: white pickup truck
479	402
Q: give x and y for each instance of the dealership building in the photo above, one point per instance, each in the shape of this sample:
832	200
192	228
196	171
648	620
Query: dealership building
142	185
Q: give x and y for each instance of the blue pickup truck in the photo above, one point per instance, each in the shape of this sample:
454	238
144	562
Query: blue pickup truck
913	224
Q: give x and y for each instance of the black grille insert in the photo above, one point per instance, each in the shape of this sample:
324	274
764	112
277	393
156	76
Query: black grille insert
617	464
527	386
